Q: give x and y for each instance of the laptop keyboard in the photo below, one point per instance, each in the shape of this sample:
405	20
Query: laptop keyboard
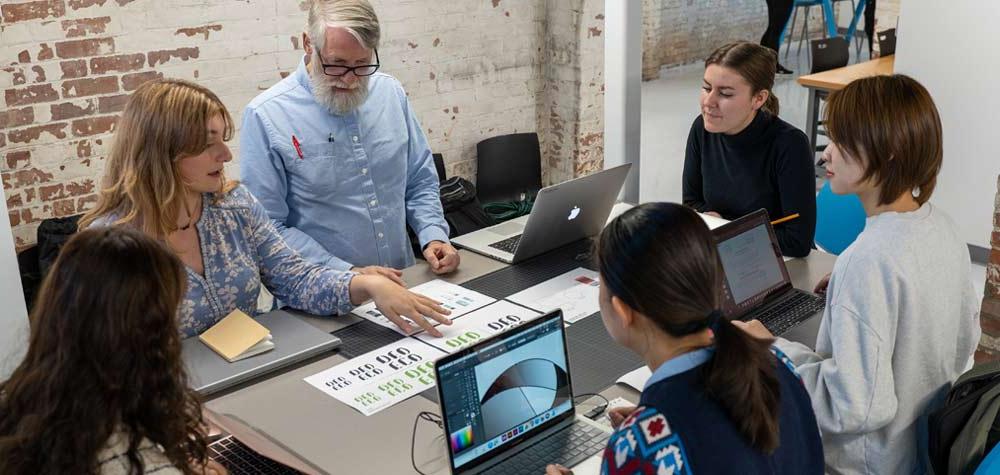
567	447
240	459
507	245
795	309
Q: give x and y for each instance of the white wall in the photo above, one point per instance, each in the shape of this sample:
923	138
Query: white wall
13	314
950	47
623	90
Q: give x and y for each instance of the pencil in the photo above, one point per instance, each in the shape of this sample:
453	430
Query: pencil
785	219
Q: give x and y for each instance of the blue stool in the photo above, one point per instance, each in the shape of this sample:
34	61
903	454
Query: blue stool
839	220
991	464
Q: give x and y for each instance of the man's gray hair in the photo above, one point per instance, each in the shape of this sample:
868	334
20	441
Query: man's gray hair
357	16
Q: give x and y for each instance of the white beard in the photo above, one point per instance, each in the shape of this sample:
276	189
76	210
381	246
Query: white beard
335	101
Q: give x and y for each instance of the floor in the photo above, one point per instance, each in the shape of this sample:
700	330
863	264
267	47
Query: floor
670	104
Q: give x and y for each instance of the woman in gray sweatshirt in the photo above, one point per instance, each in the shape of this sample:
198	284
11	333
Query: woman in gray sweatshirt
901	321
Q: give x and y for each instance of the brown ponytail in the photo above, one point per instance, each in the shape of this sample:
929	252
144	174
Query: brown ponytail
661	260
755	63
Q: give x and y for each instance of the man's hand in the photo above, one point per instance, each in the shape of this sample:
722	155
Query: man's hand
755	329
388	272
442	257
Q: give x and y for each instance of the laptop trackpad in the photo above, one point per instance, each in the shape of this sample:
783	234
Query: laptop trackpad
507	229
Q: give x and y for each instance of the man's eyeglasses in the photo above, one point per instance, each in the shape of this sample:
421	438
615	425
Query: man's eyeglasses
338	70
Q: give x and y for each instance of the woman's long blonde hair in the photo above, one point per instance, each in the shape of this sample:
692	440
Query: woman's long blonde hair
164	121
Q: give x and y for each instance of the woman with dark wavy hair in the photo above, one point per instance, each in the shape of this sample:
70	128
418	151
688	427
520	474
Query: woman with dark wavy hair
103	388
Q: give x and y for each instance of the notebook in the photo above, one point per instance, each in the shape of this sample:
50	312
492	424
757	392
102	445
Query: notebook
237	336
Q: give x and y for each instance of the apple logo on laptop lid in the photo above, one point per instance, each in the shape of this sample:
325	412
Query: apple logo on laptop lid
573	213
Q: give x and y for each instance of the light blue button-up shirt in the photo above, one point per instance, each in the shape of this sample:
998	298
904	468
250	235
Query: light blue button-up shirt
360	178
679	364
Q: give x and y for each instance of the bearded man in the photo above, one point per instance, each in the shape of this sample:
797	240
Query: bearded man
337	157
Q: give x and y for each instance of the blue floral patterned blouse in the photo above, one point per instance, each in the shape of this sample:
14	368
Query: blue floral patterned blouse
242	250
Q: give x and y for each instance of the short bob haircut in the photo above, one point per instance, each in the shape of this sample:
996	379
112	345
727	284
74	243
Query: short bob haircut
890	124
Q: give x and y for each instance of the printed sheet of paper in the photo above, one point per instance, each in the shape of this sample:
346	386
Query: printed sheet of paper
575	292
456	298
479	324
381	378
636	379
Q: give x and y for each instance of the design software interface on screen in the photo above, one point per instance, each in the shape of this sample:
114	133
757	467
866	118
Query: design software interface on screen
498	393
750	264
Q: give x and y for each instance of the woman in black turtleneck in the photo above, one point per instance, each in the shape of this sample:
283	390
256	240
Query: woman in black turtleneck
741	157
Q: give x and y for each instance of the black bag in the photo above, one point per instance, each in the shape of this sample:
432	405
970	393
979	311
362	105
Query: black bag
52	234
462	209
964	430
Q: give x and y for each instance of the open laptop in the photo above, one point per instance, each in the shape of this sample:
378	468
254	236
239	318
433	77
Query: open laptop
507	403
563	213
757	285
294	341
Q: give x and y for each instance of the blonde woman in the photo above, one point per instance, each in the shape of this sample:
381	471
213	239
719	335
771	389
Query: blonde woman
165	177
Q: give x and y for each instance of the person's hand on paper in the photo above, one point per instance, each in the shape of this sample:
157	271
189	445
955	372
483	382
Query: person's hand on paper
713	213
442	257
395	302
822	284
618	415
556	469
394	275
755	329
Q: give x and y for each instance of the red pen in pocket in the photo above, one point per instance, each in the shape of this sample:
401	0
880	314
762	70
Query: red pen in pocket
298	148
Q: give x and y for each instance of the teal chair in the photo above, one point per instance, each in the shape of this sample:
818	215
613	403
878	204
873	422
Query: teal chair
991	464
839	220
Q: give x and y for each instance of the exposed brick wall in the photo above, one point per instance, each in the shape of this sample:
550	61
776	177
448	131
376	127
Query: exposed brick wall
472	68
989	314
572	109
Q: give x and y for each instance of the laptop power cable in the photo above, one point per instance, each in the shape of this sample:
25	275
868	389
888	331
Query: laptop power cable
597	410
429	417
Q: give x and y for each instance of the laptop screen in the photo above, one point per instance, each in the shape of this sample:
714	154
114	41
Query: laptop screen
752	262
499	392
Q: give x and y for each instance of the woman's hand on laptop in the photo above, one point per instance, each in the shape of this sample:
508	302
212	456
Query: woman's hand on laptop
395	302
619	414
822	284
556	469
755	329
212	467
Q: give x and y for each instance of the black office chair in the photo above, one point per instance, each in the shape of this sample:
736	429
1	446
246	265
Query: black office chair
509	168
439	166
887	42
827	54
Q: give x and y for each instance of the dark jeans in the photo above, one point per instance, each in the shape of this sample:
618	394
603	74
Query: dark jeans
778	12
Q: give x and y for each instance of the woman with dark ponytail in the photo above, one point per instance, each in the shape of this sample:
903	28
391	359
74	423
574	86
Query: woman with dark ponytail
741	157
718	401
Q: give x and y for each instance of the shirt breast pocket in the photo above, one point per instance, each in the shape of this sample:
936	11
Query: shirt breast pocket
317	170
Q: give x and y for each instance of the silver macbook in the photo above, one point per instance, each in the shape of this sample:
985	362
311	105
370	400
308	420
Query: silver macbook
507	403
294	341
562	213
757	284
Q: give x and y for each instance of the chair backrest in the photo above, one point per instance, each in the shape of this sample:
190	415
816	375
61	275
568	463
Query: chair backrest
839	220
508	166
439	166
829	53
887	42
